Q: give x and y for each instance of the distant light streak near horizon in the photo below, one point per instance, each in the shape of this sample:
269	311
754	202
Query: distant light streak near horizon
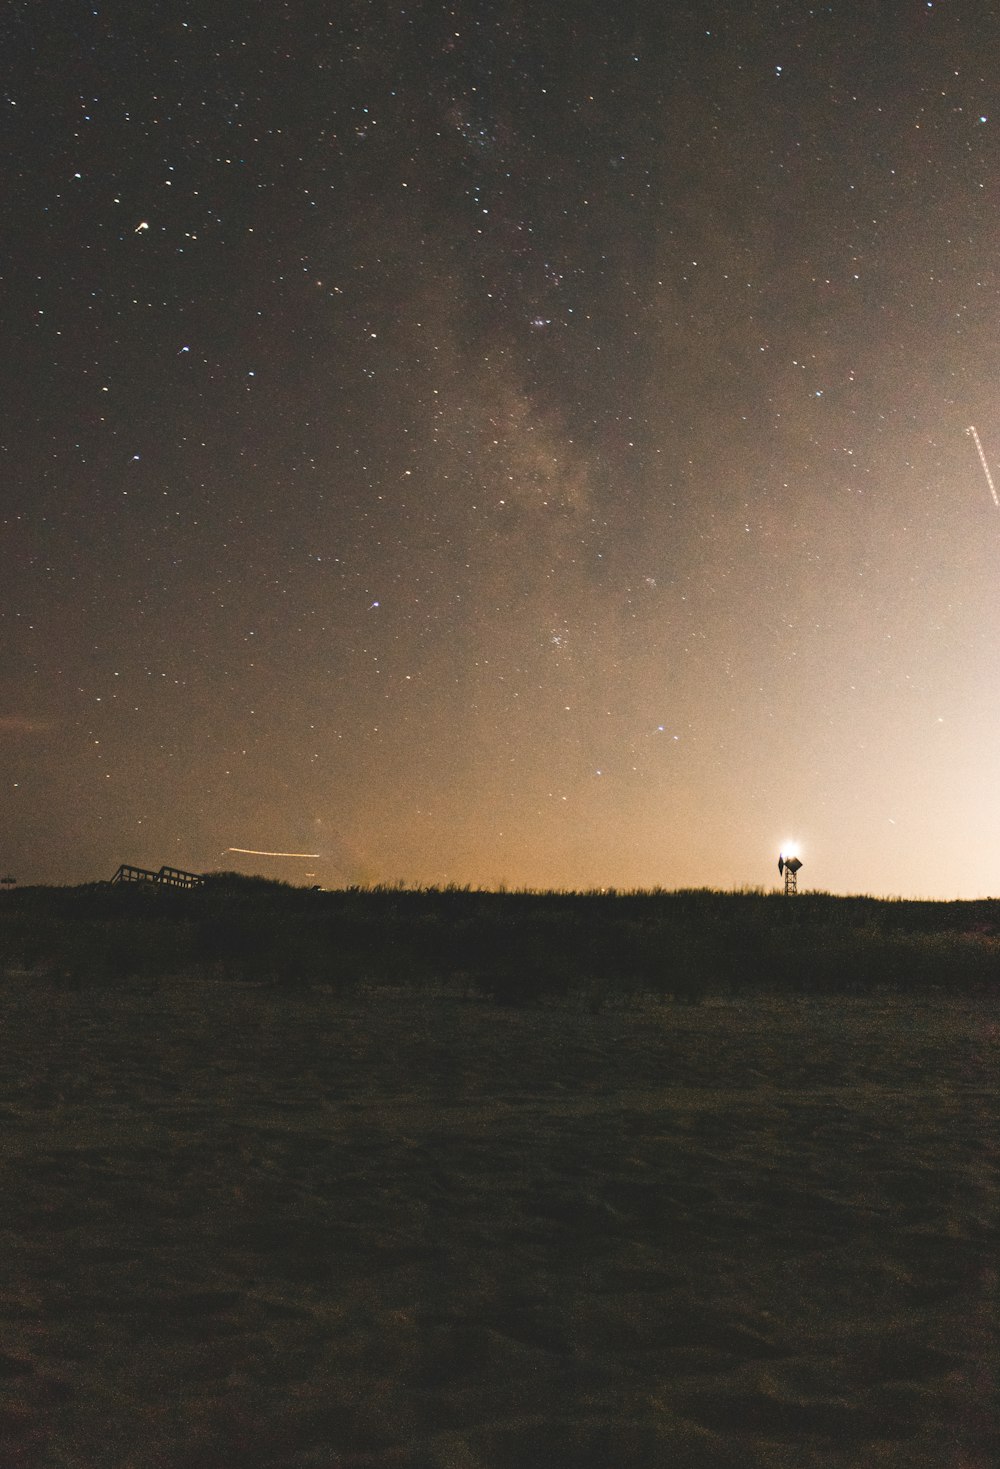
986	468
256	852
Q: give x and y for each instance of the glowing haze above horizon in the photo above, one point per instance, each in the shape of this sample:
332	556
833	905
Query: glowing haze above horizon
515	444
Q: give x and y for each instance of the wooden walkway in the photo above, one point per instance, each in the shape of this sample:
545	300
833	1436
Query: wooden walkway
171	877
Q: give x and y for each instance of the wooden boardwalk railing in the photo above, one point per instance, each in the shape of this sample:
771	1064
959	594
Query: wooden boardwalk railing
172	877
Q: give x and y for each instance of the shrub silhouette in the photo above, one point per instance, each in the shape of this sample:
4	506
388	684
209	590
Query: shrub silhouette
514	948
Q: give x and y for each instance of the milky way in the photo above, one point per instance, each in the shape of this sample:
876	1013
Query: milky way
513	443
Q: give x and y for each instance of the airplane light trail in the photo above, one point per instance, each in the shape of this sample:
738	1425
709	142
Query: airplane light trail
986	468
256	852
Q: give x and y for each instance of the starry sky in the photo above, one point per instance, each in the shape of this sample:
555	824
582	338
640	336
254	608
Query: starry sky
511	443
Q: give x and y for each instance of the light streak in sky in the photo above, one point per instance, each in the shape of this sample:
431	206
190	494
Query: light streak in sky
256	852
986	468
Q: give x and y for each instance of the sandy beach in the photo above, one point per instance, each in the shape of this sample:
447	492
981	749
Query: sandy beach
309	1230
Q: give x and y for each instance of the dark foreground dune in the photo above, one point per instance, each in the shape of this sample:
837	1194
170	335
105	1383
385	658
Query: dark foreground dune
242	1228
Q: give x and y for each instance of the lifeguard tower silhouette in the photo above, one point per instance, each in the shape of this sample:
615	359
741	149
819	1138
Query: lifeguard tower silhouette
789	866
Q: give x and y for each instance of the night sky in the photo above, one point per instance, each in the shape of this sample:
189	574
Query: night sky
504	442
